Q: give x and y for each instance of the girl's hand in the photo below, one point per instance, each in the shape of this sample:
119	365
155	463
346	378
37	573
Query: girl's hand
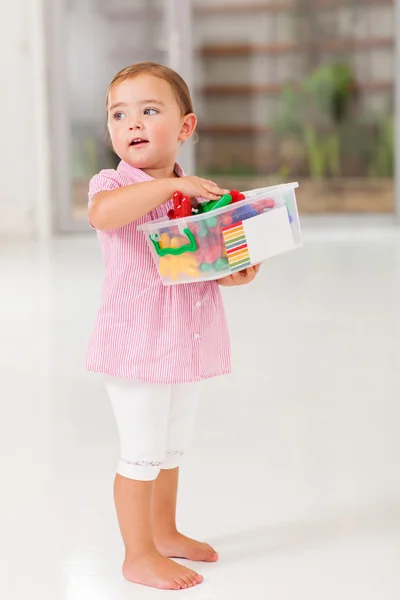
197	186
240	278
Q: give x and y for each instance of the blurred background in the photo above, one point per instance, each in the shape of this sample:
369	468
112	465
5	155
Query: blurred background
299	484
285	90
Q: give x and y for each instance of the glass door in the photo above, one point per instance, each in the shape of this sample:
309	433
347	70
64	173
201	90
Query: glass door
90	41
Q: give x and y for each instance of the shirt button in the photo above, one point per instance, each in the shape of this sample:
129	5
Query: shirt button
196	336
198	304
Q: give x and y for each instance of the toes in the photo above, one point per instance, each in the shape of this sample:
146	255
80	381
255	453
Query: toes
213	555
196	578
188	580
182	583
193	579
214	558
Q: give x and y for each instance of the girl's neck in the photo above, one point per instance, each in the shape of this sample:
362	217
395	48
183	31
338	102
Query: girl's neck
164	173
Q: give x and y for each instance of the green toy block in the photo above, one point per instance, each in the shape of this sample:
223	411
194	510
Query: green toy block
225	200
203	230
212	222
207	206
204	267
221	264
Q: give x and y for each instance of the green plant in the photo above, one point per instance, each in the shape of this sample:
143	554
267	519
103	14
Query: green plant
332	89
316	112
323	153
382	160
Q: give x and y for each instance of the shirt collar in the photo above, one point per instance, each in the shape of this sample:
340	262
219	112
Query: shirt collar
135	175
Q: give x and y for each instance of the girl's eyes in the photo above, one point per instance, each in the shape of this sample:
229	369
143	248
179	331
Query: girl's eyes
118	116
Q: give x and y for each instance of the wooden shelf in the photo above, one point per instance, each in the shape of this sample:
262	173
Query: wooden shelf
288	6
274	89
335	45
233	129
271	89
238	130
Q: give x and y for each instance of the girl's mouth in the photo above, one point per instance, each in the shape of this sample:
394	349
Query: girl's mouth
138	142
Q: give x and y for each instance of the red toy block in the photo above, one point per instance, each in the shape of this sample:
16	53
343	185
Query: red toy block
237	196
225	219
177	197
186	207
182	205
212	253
268	203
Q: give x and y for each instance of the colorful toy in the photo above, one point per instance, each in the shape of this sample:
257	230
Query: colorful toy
209	240
211	222
226	220
237	196
244	212
213	233
213	254
164	246
182	206
203	230
173	260
175	266
221	264
262	205
205	267
225	200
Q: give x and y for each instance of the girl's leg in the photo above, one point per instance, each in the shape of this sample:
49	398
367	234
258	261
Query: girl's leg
168	540
141	413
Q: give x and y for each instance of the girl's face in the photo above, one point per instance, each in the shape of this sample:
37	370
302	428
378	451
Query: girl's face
146	124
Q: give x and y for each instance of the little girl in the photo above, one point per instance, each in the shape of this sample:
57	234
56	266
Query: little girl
153	343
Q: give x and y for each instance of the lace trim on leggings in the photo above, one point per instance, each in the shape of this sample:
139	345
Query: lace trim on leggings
175	453
142	463
151	463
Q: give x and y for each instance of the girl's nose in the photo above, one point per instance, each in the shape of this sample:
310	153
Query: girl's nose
135	125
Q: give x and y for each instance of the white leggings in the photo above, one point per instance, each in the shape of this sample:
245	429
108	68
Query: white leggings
155	423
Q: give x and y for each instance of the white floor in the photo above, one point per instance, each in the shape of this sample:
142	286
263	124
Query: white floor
295	471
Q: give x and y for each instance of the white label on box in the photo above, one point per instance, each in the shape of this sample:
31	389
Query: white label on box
268	234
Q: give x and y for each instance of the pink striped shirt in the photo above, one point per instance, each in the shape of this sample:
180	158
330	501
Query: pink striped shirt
144	330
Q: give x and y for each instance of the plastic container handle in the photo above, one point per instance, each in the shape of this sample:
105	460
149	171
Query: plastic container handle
191	247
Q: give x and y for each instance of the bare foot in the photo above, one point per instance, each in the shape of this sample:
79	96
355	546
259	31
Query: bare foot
157	571
177	545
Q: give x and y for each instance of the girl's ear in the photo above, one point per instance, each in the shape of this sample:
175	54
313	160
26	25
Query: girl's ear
188	127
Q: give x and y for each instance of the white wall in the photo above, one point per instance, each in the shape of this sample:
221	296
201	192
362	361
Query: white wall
24	181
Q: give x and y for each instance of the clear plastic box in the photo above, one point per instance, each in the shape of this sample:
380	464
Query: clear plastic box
214	244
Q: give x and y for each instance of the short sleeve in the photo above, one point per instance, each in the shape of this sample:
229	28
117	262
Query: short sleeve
105	181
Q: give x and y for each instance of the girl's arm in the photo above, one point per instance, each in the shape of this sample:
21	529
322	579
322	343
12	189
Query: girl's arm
118	207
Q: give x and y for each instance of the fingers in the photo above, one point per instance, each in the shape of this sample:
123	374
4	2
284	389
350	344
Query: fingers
210	195
241	277
226	281
251	273
245	276
213	189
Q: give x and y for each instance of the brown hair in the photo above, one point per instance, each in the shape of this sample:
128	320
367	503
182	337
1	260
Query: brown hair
178	85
